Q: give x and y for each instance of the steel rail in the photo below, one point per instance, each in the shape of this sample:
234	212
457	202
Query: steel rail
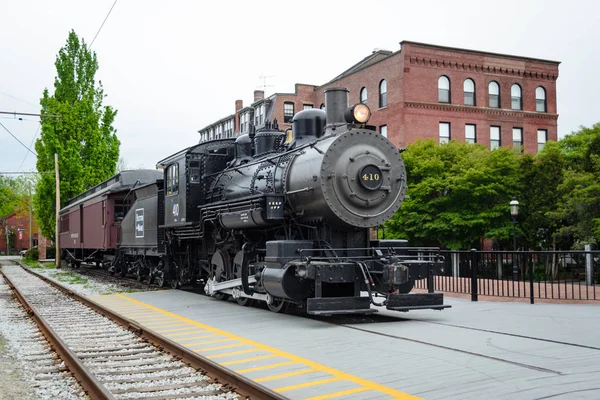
83	375
240	384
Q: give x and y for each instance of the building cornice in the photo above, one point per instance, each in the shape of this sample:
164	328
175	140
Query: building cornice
490	69
480	110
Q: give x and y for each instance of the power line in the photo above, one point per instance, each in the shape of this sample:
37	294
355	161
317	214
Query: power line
17	139
15	97
31	144
109	11
31	115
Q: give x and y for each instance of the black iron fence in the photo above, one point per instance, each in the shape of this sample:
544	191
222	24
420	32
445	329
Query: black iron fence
559	275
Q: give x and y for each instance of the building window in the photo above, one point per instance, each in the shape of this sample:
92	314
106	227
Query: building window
444	89
444	132
494	94
518	139
288	112
244	122
382	94
540	99
494	137
172	179
516	98
363	95
307	106
323	106
542	138
470	133
383	130
469	89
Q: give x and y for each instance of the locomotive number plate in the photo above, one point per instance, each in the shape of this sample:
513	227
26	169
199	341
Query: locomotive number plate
370	177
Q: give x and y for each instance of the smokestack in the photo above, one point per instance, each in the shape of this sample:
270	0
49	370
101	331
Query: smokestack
259	95
336	103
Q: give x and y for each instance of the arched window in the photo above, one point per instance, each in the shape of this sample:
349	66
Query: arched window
363	95
494	94
469	89
540	99
516	97
382	93
322	106
444	89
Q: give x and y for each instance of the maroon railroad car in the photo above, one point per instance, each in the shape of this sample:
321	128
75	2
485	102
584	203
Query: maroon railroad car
89	222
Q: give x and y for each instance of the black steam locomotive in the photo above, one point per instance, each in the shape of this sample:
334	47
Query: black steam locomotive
282	218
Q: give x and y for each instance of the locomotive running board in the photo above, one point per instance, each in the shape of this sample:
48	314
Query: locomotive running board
416	301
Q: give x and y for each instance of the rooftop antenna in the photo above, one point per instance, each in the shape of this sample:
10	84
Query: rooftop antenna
264	79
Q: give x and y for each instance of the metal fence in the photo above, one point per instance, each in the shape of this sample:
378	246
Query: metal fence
559	275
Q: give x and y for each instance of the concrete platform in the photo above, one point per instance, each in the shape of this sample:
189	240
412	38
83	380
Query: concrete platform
478	350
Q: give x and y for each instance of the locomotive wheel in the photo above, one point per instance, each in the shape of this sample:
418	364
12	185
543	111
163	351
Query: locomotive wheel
277	305
220	263
158	275
237	272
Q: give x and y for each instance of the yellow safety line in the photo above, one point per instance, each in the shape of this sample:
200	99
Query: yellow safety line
207	342
197	337
293	358
173	330
233	353
338	394
163	325
185	333
270	366
245	360
281	376
307	384
219	347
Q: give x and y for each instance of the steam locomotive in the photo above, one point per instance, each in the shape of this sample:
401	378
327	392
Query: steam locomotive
271	216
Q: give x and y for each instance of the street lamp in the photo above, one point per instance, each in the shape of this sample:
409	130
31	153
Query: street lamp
514	212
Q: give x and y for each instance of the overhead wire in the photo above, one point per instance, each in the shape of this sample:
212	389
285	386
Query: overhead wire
30	145
109	11
17	139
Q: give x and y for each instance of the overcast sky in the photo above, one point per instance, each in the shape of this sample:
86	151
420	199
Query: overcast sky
172	67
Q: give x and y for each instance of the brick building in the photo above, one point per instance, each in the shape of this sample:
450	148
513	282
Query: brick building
428	91
18	225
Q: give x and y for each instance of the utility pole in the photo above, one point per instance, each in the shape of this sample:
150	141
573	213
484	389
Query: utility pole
30	216
57	233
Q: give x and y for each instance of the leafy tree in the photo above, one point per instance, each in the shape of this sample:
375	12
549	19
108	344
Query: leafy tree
83	138
540	196
457	194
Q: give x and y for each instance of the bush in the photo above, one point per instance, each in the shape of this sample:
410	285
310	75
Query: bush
32	254
51	252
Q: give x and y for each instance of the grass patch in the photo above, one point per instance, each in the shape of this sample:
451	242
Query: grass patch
35	264
2	343
70	278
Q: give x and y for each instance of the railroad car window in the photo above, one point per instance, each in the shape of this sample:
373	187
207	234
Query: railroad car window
494	94
470	133
494	137
194	172
517	100
444	89
382	94
363	95
64	224
288	112
121	208
542	138
469	89
172	179
383	130
518	139
540	99
444	132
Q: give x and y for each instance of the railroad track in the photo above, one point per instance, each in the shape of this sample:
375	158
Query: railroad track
114	358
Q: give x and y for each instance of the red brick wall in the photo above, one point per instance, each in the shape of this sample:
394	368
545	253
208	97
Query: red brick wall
305	94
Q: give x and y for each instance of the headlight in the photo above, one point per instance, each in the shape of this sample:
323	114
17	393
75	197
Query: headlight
358	113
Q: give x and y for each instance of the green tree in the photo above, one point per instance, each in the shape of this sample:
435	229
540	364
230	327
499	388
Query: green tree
83	137
457	193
